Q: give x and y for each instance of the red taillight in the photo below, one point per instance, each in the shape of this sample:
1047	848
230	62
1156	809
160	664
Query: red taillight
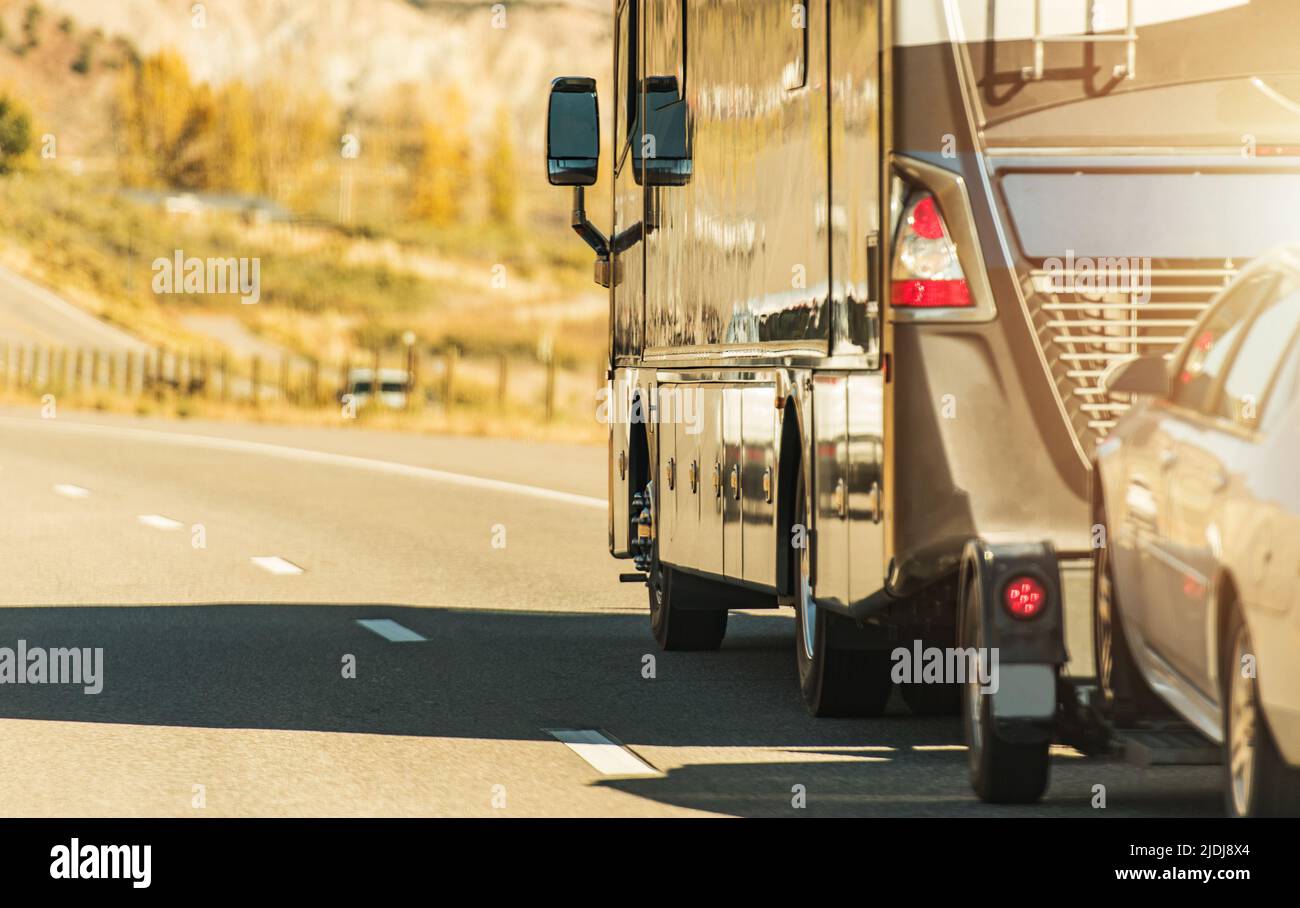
1024	597
926	273
932	294
925	220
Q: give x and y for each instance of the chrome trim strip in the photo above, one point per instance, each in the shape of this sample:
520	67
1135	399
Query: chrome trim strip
1159	554
1183	696
723	353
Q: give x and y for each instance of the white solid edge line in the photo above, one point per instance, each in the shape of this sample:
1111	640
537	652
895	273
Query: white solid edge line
390	630
275	564
67	490
159	522
607	757
323	457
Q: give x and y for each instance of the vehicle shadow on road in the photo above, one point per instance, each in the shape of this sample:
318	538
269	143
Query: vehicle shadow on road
487	674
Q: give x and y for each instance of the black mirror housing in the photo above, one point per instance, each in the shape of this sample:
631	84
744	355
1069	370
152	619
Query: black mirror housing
572	132
1146	375
662	155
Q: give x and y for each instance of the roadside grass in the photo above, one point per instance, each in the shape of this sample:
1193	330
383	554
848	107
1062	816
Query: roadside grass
330	293
472	415
474	286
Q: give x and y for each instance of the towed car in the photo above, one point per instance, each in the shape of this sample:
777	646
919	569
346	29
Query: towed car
1197	577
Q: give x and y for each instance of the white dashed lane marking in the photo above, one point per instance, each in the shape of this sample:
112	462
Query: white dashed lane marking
276	565
390	630
70	491
606	756
159	522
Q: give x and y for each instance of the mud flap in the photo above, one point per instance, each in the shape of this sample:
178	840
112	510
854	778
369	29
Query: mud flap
1025	654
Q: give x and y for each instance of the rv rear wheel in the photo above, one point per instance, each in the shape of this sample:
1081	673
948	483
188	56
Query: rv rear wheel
838	676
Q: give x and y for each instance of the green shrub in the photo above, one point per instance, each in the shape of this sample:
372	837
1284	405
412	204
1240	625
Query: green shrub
15	132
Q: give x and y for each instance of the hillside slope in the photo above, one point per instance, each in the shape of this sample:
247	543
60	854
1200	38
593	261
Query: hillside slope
358	49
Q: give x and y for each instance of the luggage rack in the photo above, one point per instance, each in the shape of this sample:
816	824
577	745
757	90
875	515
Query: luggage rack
1125	70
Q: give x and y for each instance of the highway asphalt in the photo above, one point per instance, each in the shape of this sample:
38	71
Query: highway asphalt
225	687
31	315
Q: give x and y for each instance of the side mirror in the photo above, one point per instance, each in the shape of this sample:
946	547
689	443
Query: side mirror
572	132
662	155
1141	375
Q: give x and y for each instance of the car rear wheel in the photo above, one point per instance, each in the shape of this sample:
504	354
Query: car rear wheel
1002	771
1126	696
1259	781
839	675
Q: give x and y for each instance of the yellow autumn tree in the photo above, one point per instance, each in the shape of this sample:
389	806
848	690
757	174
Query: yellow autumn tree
233	151
501	171
397	126
441	180
163	122
295	130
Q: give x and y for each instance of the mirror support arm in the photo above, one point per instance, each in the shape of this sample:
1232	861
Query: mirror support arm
590	234
605	247
625	239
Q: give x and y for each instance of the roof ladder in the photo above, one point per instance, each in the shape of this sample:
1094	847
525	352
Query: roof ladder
1126	70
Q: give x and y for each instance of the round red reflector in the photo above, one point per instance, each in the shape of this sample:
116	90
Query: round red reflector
926	221
1024	597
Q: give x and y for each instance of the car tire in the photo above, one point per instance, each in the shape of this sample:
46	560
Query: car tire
1126	696
673	623
839	676
1258	781
1002	771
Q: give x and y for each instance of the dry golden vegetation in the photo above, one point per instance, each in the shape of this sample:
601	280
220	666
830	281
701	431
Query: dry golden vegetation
371	222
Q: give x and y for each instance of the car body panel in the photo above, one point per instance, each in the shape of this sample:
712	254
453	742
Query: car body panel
1203	511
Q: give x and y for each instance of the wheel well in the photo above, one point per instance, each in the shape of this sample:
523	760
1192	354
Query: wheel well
789	465
638	452
1225	594
1095	493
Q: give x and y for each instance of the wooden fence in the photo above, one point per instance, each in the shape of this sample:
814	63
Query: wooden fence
444	379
